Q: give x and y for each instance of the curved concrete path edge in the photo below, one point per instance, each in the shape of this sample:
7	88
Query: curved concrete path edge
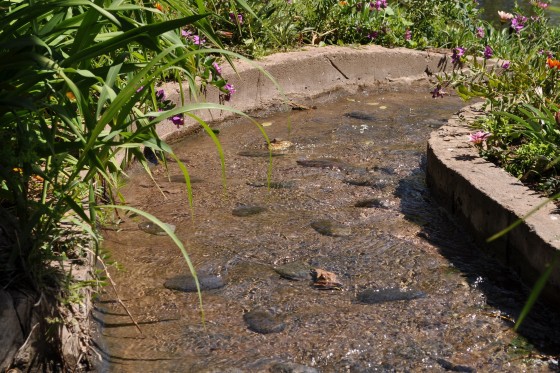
308	73
486	200
478	194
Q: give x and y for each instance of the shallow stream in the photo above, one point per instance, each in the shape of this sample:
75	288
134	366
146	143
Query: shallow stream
343	264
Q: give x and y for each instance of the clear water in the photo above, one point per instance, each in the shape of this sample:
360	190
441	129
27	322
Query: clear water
464	322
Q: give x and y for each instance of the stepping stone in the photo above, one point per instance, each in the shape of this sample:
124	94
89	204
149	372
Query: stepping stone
330	228
373	296
263	321
187	283
247	210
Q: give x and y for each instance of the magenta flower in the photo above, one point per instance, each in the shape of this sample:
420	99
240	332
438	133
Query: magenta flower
506	65
160	94
480	32
197	40
457	54
178	120
186	33
407	35
518	23
140	89
217	68
378	4
230	89
438	92
479	137
488	52
236	18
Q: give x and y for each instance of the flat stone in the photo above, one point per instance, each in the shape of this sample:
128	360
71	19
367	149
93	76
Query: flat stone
373	296
330	228
153	228
272	185
297	271
247	210
187	283
371	203
259	153
263	321
281	367
360	115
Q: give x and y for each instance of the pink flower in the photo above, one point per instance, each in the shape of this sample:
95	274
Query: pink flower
197	40
479	137
480	32
506	65
407	35
217	68
504	16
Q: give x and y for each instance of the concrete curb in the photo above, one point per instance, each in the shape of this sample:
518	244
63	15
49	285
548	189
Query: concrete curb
309	73
486	200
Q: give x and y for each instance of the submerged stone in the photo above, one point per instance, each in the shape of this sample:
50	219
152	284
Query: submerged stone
373	296
360	115
187	283
259	153
247	210
371	203
281	367
279	145
153	228
296	271
263	321
272	185
330	228
328	163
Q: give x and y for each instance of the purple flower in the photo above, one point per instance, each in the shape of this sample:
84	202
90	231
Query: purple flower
160	94
229	88
186	33
140	89
197	40
217	68
407	35
480	32
236	18
457	54
479	137
518	23
488	52
373	35
378	4
506	65
438	92
178	120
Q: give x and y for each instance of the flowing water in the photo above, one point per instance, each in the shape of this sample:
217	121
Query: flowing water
343	264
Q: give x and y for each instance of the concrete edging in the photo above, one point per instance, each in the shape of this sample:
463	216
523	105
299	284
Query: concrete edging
486	199
309	73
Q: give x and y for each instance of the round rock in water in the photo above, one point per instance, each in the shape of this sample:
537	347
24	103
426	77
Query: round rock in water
373	296
297	271
330	228
247	210
282	367
371	203
187	283
263	321
153	228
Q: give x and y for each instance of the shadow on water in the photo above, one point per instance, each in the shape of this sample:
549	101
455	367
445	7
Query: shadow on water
502	288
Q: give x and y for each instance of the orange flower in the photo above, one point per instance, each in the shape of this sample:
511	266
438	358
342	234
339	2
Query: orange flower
343	3
159	7
553	63
70	96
